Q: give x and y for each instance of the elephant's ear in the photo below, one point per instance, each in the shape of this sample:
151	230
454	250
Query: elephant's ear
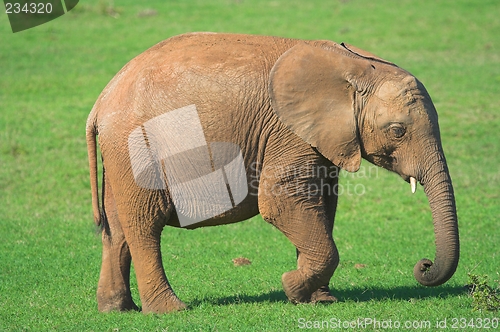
365	54
312	93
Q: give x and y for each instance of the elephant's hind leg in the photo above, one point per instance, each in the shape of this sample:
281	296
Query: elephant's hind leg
157	296
113	292
142	224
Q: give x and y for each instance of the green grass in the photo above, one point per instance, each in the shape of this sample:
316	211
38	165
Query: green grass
51	75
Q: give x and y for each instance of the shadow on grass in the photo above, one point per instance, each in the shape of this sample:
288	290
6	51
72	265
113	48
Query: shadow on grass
344	295
272	297
398	293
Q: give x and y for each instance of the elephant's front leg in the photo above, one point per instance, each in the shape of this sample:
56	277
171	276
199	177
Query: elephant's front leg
323	293
113	292
317	261
298	207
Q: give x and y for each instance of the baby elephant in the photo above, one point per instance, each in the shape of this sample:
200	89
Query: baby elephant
206	129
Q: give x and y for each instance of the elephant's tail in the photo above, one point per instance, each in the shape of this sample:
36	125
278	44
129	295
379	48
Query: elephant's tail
99	214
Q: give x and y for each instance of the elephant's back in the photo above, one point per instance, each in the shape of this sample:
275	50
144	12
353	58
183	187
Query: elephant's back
212	71
219	51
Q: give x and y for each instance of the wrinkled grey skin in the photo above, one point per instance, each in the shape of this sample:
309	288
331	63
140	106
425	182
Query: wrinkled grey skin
286	103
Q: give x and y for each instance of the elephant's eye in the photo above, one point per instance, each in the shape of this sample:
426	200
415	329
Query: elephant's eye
397	130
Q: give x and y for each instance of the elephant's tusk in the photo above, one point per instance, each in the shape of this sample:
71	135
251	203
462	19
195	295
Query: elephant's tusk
413	184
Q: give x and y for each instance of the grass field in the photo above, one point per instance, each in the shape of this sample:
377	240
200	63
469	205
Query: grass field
51	75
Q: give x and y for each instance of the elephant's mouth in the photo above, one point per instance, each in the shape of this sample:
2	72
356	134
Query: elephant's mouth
390	162
382	160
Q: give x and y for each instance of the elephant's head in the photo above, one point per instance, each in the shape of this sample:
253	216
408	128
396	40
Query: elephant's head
349	104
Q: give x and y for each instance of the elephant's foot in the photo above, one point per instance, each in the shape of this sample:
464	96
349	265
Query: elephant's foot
295	287
323	295
164	304
117	302
298	289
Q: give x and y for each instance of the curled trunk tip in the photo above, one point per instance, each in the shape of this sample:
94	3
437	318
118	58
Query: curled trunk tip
429	274
424	274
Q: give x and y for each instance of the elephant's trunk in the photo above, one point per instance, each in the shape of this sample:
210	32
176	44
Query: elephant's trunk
439	190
